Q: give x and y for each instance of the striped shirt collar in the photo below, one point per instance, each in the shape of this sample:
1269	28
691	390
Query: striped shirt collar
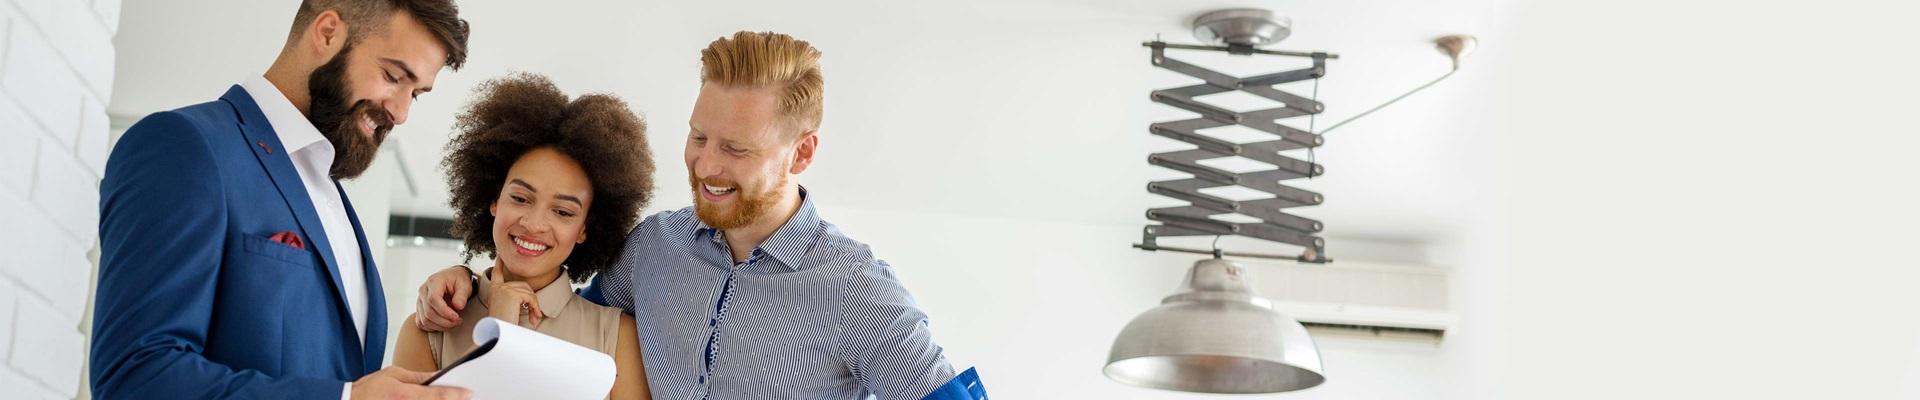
788	245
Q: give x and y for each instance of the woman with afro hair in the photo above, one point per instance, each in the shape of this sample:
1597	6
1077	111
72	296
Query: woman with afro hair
548	188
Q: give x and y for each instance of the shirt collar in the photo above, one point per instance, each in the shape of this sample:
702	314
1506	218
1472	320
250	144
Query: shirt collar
790	243
553	298
296	132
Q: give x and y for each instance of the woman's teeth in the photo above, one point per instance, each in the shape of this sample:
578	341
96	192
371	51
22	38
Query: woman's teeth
719	191
529	245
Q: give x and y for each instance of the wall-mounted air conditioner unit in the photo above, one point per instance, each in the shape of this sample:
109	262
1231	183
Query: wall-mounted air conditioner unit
1348	298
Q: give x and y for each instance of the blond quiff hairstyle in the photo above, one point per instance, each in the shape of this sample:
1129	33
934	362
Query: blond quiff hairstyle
767	60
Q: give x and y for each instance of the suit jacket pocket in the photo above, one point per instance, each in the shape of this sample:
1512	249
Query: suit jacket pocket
264	247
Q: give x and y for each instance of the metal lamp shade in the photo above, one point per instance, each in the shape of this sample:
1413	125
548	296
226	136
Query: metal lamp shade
1215	336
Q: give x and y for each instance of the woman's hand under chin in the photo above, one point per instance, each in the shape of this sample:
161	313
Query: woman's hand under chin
513	301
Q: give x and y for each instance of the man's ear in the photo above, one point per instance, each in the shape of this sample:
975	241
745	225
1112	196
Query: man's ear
327	34
803	152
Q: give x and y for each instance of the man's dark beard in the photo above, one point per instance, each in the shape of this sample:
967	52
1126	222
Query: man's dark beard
339	121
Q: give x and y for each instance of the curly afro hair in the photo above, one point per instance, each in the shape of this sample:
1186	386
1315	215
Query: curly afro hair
521	112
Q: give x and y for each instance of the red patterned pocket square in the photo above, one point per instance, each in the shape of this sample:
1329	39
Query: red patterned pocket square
290	239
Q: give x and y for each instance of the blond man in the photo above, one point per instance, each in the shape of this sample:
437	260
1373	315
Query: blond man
749	293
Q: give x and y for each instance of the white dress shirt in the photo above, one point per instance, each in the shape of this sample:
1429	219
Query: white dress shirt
313	157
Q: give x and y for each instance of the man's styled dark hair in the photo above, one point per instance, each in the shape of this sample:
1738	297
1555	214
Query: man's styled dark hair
365	17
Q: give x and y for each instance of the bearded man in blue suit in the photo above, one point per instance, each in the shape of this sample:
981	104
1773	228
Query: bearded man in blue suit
231	263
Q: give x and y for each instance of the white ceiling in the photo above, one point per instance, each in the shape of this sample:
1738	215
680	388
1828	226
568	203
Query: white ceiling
1018	109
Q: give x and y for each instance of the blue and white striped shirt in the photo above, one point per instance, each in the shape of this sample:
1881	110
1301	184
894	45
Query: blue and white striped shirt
810	315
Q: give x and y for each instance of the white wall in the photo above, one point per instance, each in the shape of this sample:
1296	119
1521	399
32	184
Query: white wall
407	266
56	72
1711	199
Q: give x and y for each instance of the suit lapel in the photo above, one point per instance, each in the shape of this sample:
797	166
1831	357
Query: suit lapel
376	295
278	166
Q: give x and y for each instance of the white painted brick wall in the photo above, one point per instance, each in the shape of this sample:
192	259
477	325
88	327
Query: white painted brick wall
92	147
78	34
23	388
23	142
57	351
109	11
7	294
41	10
56	271
56	77
67	192
35	72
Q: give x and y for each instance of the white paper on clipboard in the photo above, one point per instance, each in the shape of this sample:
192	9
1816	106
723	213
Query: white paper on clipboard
523	364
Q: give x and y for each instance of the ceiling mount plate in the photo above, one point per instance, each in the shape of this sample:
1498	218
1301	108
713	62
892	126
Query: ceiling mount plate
1241	27
1456	47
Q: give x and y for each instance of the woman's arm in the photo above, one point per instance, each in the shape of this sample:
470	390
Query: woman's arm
411	351
631	380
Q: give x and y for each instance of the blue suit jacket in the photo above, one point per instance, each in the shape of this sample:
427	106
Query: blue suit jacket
195	300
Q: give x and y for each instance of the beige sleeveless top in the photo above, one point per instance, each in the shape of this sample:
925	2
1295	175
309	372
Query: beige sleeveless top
567	317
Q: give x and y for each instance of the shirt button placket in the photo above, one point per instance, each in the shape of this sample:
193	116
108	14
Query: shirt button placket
713	328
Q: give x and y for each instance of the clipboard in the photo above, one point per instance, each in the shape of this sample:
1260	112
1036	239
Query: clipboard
512	362
478	351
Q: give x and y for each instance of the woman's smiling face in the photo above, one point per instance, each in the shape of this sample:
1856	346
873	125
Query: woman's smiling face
541	213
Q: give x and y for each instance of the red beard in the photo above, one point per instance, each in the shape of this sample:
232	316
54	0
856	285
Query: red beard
745	208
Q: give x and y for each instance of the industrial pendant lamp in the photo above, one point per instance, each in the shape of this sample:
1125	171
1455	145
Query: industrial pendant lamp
1215	335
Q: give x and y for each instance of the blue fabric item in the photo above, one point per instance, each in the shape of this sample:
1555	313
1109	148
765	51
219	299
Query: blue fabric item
966	386
194	300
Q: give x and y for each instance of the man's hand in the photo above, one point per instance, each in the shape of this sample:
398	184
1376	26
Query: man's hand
442	297
395	383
